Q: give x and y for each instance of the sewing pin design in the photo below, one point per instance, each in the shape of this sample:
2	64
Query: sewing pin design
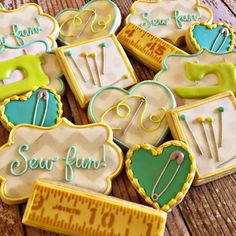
93	13
201	121
225	33
94	55
43	94
221	110
179	157
183	117
210	121
103	45
70	54
143	100
85	56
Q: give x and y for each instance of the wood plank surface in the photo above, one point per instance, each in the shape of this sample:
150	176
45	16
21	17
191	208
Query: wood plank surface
206	210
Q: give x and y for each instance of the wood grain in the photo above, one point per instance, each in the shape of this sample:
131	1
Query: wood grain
206	210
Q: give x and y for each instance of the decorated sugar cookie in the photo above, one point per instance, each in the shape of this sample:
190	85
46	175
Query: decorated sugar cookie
168	19
20	75
95	19
27	28
135	116
92	65
208	126
161	175
80	156
41	107
197	76
217	38
54	72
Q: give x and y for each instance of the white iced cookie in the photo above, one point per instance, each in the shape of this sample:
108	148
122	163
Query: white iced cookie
168	19
197	76
26	30
83	156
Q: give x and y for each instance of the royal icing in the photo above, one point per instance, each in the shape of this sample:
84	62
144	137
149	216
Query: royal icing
19	32
54	72
193	77
41	107
161	175
20	75
168	19
217	38
95	19
206	126
135	116
91	65
83	156
104	214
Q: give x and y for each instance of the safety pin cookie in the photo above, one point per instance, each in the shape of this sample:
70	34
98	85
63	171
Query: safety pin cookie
162	175
21	74
197	76
91	65
208	126
41	107
83	156
62	209
217	38
18	32
135	116
168	19
95	19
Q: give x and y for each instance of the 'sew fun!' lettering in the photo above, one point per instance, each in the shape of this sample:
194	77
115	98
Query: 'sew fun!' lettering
20	167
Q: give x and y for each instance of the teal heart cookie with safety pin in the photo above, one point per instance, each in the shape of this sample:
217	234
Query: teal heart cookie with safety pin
41	106
162	175
218	38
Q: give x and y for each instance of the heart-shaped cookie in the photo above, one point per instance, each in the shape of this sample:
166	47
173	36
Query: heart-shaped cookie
95	19
161	175
136	116
217	38
41	107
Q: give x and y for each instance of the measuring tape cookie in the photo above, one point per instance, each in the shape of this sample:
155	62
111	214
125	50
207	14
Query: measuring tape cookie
20	75
197	76
80	212
208	127
146	48
162	175
135	116
95	19
27	29
217	38
91	65
41	107
168	19
83	156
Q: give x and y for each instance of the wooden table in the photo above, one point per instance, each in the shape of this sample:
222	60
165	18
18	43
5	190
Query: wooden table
206	210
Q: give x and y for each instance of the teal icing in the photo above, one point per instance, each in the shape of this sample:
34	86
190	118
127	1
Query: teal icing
4	45
33	163
165	66
22	112
206	38
148	24
81	163
92	116
117	18
180	19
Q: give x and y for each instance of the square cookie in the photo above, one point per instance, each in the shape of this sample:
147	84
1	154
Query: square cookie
208	127
92	65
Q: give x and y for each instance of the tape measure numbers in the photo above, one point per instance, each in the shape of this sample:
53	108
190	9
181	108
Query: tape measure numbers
145	47
80	212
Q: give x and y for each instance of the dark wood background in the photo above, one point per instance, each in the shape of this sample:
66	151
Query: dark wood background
206	210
